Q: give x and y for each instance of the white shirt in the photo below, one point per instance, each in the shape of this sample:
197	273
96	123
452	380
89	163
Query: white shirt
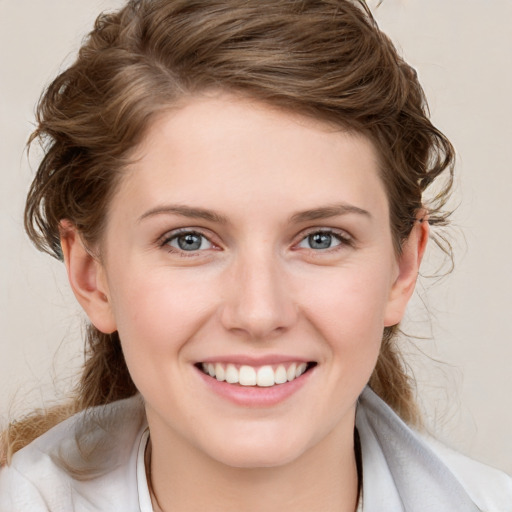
94	462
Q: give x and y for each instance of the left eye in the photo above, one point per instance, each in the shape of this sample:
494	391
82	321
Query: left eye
321	240
190	242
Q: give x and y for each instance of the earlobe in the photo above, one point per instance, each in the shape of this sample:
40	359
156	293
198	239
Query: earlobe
408	268
87	279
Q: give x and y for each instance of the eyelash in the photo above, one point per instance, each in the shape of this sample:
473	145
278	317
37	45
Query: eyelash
174	235
344	239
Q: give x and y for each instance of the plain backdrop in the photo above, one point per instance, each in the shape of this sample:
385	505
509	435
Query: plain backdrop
461	351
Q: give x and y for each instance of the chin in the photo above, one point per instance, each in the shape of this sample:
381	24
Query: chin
256	459
256	452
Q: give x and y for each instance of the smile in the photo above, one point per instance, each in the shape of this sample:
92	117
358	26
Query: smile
263	376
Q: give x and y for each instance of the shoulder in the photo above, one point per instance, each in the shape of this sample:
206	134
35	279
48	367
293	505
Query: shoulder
489	488
82	464
416	470
19	494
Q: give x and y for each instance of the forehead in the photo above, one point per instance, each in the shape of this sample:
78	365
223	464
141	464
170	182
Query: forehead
218	151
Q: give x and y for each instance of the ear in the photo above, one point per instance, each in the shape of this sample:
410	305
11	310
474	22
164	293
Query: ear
408	267
87	278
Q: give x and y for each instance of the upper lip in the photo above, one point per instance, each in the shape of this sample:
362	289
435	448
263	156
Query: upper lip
241	359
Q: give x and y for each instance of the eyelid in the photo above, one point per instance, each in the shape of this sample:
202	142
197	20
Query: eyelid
345	238
323	229
164	240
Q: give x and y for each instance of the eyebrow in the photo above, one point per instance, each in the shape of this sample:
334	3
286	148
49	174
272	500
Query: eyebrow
212	216
185	211
328	211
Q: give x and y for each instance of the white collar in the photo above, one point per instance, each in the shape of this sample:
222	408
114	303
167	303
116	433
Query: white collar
400	471
142	481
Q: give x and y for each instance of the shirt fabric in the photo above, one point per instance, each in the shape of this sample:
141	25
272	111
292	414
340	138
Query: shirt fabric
94	462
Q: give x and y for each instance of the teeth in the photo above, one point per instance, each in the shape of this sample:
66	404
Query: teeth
290	374
280	376
264	376
220	374
300	369
247	376
231	374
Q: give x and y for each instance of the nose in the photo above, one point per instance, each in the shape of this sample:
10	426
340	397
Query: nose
258	304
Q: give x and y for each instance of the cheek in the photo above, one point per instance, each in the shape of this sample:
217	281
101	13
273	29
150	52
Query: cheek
348	305
348	311
157	313
157	316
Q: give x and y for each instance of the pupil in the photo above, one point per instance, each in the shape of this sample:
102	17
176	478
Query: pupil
320	240
189	242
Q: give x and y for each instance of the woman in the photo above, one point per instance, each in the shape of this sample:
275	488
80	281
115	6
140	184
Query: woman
236	189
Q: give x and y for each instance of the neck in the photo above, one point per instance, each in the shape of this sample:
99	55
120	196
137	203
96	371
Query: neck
322	478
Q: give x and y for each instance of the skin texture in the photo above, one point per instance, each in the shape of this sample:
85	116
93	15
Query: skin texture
255	288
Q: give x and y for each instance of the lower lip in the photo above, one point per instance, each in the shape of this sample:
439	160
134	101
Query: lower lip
255	396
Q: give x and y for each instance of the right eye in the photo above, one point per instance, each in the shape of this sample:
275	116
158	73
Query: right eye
188	241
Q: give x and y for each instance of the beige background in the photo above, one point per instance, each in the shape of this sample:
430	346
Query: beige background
462	50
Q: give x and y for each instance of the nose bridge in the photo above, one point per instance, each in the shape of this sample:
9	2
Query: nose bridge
258	303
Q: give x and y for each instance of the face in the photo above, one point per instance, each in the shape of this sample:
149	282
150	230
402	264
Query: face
249	268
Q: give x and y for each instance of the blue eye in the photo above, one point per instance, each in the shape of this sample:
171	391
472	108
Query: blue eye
321	240
189	241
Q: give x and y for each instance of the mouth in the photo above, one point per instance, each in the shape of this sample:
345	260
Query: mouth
256	376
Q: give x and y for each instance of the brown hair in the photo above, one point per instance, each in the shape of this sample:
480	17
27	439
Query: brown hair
322	58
